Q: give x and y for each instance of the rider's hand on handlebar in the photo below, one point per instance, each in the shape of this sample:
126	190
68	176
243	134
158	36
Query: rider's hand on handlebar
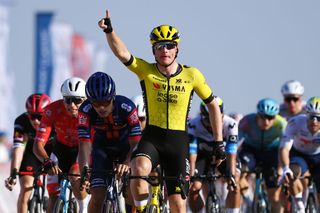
286	174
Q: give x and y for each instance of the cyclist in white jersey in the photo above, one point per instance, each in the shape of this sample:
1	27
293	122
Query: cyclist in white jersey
201	149
300	151
293	104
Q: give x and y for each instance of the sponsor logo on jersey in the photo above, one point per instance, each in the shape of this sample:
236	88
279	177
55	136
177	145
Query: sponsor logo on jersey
126	107
233	138
178	81
176	88
133	118
156	86
87	107
163	97
83	119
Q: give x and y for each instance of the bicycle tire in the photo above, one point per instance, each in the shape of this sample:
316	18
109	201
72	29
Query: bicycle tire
108	207
260	205
34	206
73	206
211	206
58	206
311	204
45	204
152	209
164	208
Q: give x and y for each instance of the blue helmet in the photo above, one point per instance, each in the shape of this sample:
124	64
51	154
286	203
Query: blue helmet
268	106
100	87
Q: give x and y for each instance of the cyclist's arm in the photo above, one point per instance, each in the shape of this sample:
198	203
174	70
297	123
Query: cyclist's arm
215	119
84	154
17	155
39	151
115	43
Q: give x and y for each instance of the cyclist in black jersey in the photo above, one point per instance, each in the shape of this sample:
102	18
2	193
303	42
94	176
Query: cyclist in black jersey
167	88
23	158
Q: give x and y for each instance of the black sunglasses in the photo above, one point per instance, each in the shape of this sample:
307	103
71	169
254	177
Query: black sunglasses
35	116
167	45
75	100
266	117
314	118
289	99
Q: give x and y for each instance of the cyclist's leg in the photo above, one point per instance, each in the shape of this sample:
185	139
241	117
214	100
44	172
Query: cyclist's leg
296	187
26	182
98	195
174	161
247	158
29	164
196	203
52	186
233	199
269	168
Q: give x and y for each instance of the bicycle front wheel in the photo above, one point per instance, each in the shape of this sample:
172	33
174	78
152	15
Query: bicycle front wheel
152	209
73	206
110	207
34	206
311	204
213	205
58	206
260	205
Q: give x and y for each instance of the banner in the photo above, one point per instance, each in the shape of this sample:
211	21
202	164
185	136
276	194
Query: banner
43	63
80	57
7	103
61	35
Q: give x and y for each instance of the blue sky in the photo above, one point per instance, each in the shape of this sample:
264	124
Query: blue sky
246	49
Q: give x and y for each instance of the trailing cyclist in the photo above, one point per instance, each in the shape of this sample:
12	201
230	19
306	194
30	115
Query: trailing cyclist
109	129
201	157
261	133
293	104
23	158
61	116
300	152
167	88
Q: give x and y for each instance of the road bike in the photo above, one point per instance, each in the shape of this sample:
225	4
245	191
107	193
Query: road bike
66	202
157	202
213	203
38	201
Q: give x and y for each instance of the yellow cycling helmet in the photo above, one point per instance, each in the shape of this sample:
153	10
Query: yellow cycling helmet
164	33
313	105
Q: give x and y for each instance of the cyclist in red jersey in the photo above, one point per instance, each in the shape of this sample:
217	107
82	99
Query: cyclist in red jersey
23	159
61	116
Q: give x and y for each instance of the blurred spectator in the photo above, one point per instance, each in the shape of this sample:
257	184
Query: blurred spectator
4	147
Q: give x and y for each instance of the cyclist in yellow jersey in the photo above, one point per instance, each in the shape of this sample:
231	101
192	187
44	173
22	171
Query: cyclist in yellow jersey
167	89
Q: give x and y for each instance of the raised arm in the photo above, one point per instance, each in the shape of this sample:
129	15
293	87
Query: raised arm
115	43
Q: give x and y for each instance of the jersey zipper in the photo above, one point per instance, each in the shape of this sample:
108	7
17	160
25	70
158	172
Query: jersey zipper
168	80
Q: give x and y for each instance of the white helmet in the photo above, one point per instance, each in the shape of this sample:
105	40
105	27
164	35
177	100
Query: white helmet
292	88
138	101
313	105
73	87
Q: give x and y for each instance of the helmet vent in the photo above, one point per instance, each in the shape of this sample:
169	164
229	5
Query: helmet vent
77	85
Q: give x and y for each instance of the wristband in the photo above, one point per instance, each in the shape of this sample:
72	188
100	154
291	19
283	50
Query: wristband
14	173
107	22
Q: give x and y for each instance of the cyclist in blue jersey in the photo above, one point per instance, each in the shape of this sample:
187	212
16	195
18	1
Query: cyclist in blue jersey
201	151
261	133
23	158
108	130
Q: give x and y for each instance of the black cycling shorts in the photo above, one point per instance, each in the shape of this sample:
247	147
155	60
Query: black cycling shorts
170	149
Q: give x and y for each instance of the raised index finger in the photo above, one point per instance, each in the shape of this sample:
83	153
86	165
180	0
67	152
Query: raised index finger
107	13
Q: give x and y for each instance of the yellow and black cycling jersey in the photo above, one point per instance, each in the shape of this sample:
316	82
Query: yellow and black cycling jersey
168	99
